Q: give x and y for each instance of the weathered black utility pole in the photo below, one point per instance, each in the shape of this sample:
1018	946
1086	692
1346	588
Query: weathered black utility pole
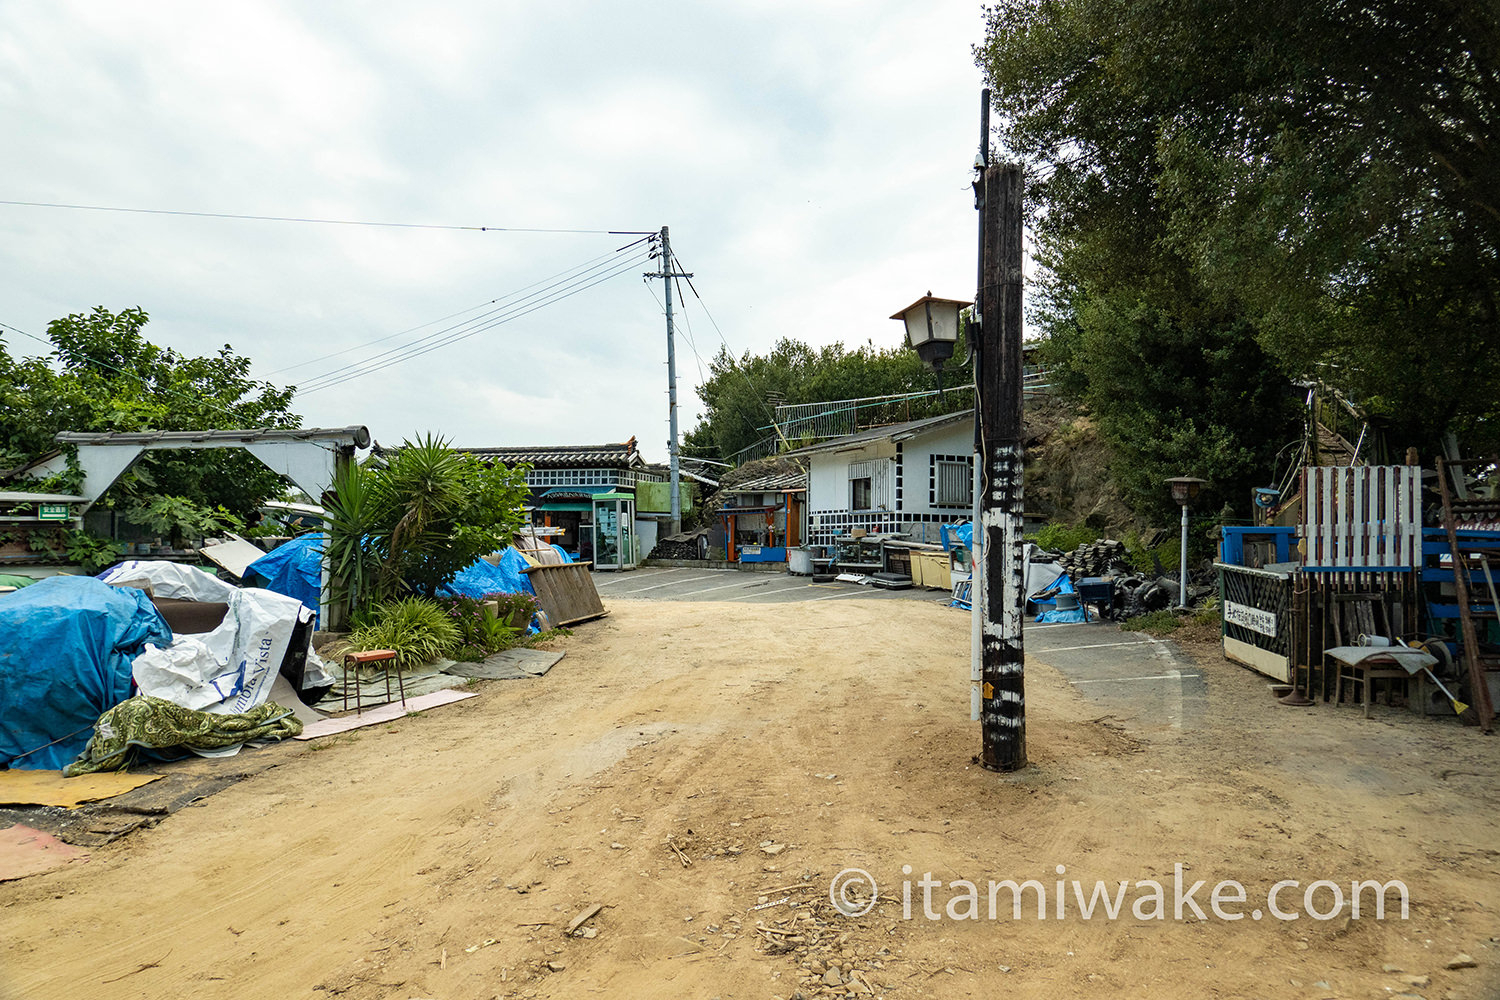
1002	717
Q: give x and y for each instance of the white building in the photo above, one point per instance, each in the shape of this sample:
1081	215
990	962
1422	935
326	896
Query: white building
907	477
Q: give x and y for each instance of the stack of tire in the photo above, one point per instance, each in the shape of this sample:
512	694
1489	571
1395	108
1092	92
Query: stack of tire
1092	558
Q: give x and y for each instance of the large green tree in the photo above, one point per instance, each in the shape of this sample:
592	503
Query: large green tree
740	395
1313	199
104	375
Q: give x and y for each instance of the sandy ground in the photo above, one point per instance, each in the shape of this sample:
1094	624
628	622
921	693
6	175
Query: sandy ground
441	856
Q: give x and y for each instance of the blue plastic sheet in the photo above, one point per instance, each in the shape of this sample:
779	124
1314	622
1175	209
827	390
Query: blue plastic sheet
1072	616
294	569
66	647
481	578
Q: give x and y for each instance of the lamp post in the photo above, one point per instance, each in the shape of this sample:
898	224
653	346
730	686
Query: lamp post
1184	491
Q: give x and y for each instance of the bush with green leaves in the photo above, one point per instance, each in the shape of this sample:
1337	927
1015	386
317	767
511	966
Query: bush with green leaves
481	629
1057	537
409	521
416	629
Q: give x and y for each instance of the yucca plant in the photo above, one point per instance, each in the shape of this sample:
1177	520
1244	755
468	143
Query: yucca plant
418	630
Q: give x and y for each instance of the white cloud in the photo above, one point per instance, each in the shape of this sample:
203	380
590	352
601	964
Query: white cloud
811	160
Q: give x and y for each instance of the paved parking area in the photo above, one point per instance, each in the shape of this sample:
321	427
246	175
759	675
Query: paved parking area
674	584
1128	674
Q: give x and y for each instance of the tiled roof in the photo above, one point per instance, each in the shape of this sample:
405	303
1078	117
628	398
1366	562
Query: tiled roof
775	483
567	456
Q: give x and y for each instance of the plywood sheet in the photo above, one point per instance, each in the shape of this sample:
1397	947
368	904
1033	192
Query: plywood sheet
385	713
566	592
50	788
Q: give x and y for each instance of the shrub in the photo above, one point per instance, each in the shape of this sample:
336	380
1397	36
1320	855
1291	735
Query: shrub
479	627
417	629
1058	537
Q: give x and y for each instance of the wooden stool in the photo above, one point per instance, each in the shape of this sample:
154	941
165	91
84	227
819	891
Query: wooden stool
357	660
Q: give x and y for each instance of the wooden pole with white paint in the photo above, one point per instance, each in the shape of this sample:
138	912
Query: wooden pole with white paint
1002	717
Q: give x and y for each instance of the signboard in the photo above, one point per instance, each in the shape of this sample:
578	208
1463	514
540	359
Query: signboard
52	512
1253	619
750	550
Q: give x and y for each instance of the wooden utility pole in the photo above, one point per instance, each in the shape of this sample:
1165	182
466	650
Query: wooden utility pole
1002	587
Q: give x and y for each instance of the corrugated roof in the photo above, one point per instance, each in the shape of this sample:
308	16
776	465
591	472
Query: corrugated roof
892	432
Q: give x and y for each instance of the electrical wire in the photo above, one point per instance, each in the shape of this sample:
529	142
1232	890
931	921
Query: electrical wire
324	222
444	319
585	273
329	380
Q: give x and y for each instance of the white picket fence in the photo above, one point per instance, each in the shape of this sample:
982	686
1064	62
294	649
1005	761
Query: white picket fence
1362	517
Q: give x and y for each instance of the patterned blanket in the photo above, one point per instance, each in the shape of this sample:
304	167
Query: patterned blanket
158	724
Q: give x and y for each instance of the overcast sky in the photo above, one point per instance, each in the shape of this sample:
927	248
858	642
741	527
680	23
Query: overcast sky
812	160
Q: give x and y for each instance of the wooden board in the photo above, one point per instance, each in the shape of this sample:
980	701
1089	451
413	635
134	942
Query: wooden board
566	592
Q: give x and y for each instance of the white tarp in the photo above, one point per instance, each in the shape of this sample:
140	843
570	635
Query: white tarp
1040	576
170	580
230	669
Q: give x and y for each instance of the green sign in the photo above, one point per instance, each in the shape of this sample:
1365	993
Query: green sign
52	512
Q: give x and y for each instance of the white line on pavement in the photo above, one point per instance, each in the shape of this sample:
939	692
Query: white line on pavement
669	583
767	593
1101	645
1175	676
708	590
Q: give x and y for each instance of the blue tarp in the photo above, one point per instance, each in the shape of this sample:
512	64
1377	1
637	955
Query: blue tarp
481	578
294	569
66	647
1074	616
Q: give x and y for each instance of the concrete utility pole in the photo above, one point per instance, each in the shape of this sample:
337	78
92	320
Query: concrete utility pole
667	274
1002	584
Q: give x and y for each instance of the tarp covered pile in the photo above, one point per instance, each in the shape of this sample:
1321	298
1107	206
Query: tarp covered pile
73	651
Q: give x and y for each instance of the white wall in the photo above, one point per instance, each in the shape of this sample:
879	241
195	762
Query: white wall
828	485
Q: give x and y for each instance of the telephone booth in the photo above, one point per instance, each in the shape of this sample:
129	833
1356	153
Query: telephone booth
614	531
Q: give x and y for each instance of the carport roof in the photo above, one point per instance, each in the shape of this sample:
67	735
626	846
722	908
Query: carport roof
891	432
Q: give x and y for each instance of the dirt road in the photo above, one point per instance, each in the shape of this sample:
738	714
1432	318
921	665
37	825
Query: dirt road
443	855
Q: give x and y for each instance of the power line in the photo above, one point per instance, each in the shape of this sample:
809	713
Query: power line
323	222
458	331
328	380
584	267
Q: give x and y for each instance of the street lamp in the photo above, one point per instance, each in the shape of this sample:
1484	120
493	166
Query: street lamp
1184	492
932	328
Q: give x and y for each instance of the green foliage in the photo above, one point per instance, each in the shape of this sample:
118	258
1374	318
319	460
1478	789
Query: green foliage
480	628
89	551
1055	537
417	630
179	518
413	521
518	608
736	392
103	375
1214	214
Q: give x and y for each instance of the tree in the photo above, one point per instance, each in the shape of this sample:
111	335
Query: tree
1324	187
410	521
739	395
103	375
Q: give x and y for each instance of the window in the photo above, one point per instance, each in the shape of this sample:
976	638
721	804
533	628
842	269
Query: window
861	494
952	481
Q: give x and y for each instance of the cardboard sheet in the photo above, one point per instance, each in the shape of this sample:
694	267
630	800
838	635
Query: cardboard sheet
24	851
50	788
385	713
509	664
